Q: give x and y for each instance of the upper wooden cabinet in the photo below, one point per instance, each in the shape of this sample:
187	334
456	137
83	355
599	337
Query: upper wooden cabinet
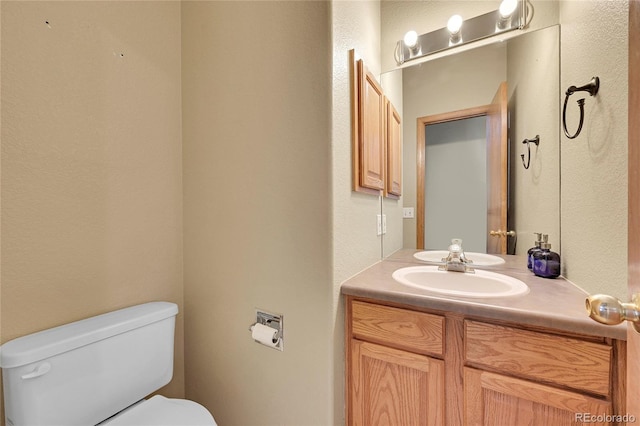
371	130
376	135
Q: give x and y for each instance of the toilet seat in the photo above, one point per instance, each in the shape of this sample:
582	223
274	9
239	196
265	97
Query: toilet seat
161	411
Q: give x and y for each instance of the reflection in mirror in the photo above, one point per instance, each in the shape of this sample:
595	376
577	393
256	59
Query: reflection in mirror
529	64
469	213
455	192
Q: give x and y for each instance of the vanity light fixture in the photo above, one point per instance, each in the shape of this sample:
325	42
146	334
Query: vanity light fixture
511	15
506	9
454	24
411	41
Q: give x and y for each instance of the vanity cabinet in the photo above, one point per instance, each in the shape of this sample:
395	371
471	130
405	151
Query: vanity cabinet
376	135
400	381
496	399
407	365
529	377
395	387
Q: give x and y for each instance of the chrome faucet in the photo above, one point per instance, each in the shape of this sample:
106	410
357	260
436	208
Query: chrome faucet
456	261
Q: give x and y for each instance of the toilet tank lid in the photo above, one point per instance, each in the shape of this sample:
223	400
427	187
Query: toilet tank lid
47	343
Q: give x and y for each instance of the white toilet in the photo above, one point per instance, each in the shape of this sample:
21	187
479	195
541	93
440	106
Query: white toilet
98	370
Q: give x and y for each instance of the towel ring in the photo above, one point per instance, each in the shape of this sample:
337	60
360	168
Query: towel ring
536	141
591	87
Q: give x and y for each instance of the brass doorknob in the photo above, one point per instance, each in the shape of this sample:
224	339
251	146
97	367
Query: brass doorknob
611	311
501	233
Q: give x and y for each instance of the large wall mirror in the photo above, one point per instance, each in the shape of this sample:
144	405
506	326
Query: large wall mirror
530	66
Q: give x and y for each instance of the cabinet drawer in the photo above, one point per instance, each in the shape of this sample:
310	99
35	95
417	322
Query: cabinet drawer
400	328
565	361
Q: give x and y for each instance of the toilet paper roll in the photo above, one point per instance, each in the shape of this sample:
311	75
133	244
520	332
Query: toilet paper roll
264	334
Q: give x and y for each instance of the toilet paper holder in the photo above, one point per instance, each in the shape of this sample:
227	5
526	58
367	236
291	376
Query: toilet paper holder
274	321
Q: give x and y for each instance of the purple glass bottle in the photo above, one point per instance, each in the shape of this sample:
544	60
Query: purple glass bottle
534	249
546	263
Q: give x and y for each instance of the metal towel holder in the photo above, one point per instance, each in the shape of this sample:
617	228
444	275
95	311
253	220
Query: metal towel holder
591	87
536	141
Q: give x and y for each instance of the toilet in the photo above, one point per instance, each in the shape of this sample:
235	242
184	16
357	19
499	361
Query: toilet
99	370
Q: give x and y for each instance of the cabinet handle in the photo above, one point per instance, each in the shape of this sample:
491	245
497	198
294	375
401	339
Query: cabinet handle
608	310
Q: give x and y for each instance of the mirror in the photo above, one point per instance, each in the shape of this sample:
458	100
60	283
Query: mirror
529	63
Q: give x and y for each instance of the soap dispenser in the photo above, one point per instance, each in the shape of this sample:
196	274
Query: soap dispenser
546	263
534	249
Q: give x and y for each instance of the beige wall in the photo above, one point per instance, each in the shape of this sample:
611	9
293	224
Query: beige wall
257	146
594	165
91	162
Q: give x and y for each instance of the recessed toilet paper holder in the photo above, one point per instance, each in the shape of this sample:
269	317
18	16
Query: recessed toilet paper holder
274	321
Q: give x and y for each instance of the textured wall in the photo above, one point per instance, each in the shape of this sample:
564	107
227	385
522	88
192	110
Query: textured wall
91	162
355	25
594	42
256	147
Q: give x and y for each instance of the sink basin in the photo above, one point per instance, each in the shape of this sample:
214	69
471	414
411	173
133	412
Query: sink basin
479	284
479	259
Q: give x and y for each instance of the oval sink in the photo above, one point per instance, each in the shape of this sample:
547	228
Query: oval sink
479	284
479	259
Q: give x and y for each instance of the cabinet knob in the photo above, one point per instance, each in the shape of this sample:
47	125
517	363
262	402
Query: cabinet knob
611	311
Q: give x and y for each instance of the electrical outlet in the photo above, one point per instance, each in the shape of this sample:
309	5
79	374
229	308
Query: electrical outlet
407	212
379	222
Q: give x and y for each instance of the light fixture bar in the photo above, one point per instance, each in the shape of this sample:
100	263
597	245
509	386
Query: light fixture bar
472	29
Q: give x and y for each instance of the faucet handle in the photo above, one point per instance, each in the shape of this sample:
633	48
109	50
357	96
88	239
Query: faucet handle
456	246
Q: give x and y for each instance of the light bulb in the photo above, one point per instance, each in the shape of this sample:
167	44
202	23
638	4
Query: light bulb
507	7
454	24
411	39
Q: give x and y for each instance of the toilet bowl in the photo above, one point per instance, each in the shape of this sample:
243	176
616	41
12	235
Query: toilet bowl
161	411
97	371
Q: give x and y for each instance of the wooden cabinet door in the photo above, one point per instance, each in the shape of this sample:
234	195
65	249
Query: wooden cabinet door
371	127
393	387
494	399
393	187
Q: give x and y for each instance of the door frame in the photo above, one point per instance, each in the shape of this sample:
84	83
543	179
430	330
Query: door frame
633	232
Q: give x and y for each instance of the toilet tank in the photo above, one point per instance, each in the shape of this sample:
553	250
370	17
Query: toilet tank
86	371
